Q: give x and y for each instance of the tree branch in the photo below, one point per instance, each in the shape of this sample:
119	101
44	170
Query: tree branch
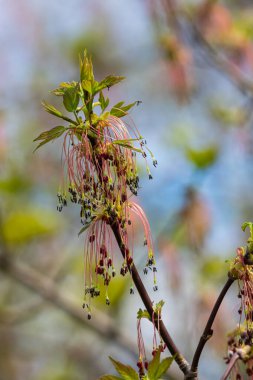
46	288
180	360
207	333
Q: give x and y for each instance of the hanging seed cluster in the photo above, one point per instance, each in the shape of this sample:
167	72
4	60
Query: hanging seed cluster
100	175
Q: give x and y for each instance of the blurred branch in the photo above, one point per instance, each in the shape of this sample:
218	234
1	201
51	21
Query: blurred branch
221	62
20	313
233	73
46	288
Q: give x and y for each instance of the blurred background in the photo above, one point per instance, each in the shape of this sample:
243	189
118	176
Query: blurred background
191	65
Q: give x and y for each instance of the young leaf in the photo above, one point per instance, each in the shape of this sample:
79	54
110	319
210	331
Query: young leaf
43	143
153	366
163	367
63	86
56	131
71	99
52	110
125	145
86	68
108	82
127	372
120	111
143	314
103	102
87	86
85	227
49	135
110	377
247	224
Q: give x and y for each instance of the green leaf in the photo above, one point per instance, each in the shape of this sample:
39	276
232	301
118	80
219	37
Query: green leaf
163	367
23	225
103	101
85	227
49	135
126	140
247	224
153	366
119	110
71	99
125	145
86	68
110	377
127	372
228	116
87	86
143	314
250	225
107	82
204	157
52	110
63	86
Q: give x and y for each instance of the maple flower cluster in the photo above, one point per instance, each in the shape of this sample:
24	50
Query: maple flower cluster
240	340
100	175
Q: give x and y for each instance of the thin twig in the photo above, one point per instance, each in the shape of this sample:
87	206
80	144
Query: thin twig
179	358
207	333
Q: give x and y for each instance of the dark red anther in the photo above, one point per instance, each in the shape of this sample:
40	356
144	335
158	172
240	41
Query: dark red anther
100	270
146	365
123	197
109	262
139	364
129	260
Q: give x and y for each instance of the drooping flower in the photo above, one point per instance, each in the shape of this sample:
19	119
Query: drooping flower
99	173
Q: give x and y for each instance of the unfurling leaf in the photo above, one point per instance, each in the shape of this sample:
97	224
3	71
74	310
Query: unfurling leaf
103	101
119	110
143	314
63	87
247	224
108	82
126	145
71	99
51	109
49	135
86	68
127	372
